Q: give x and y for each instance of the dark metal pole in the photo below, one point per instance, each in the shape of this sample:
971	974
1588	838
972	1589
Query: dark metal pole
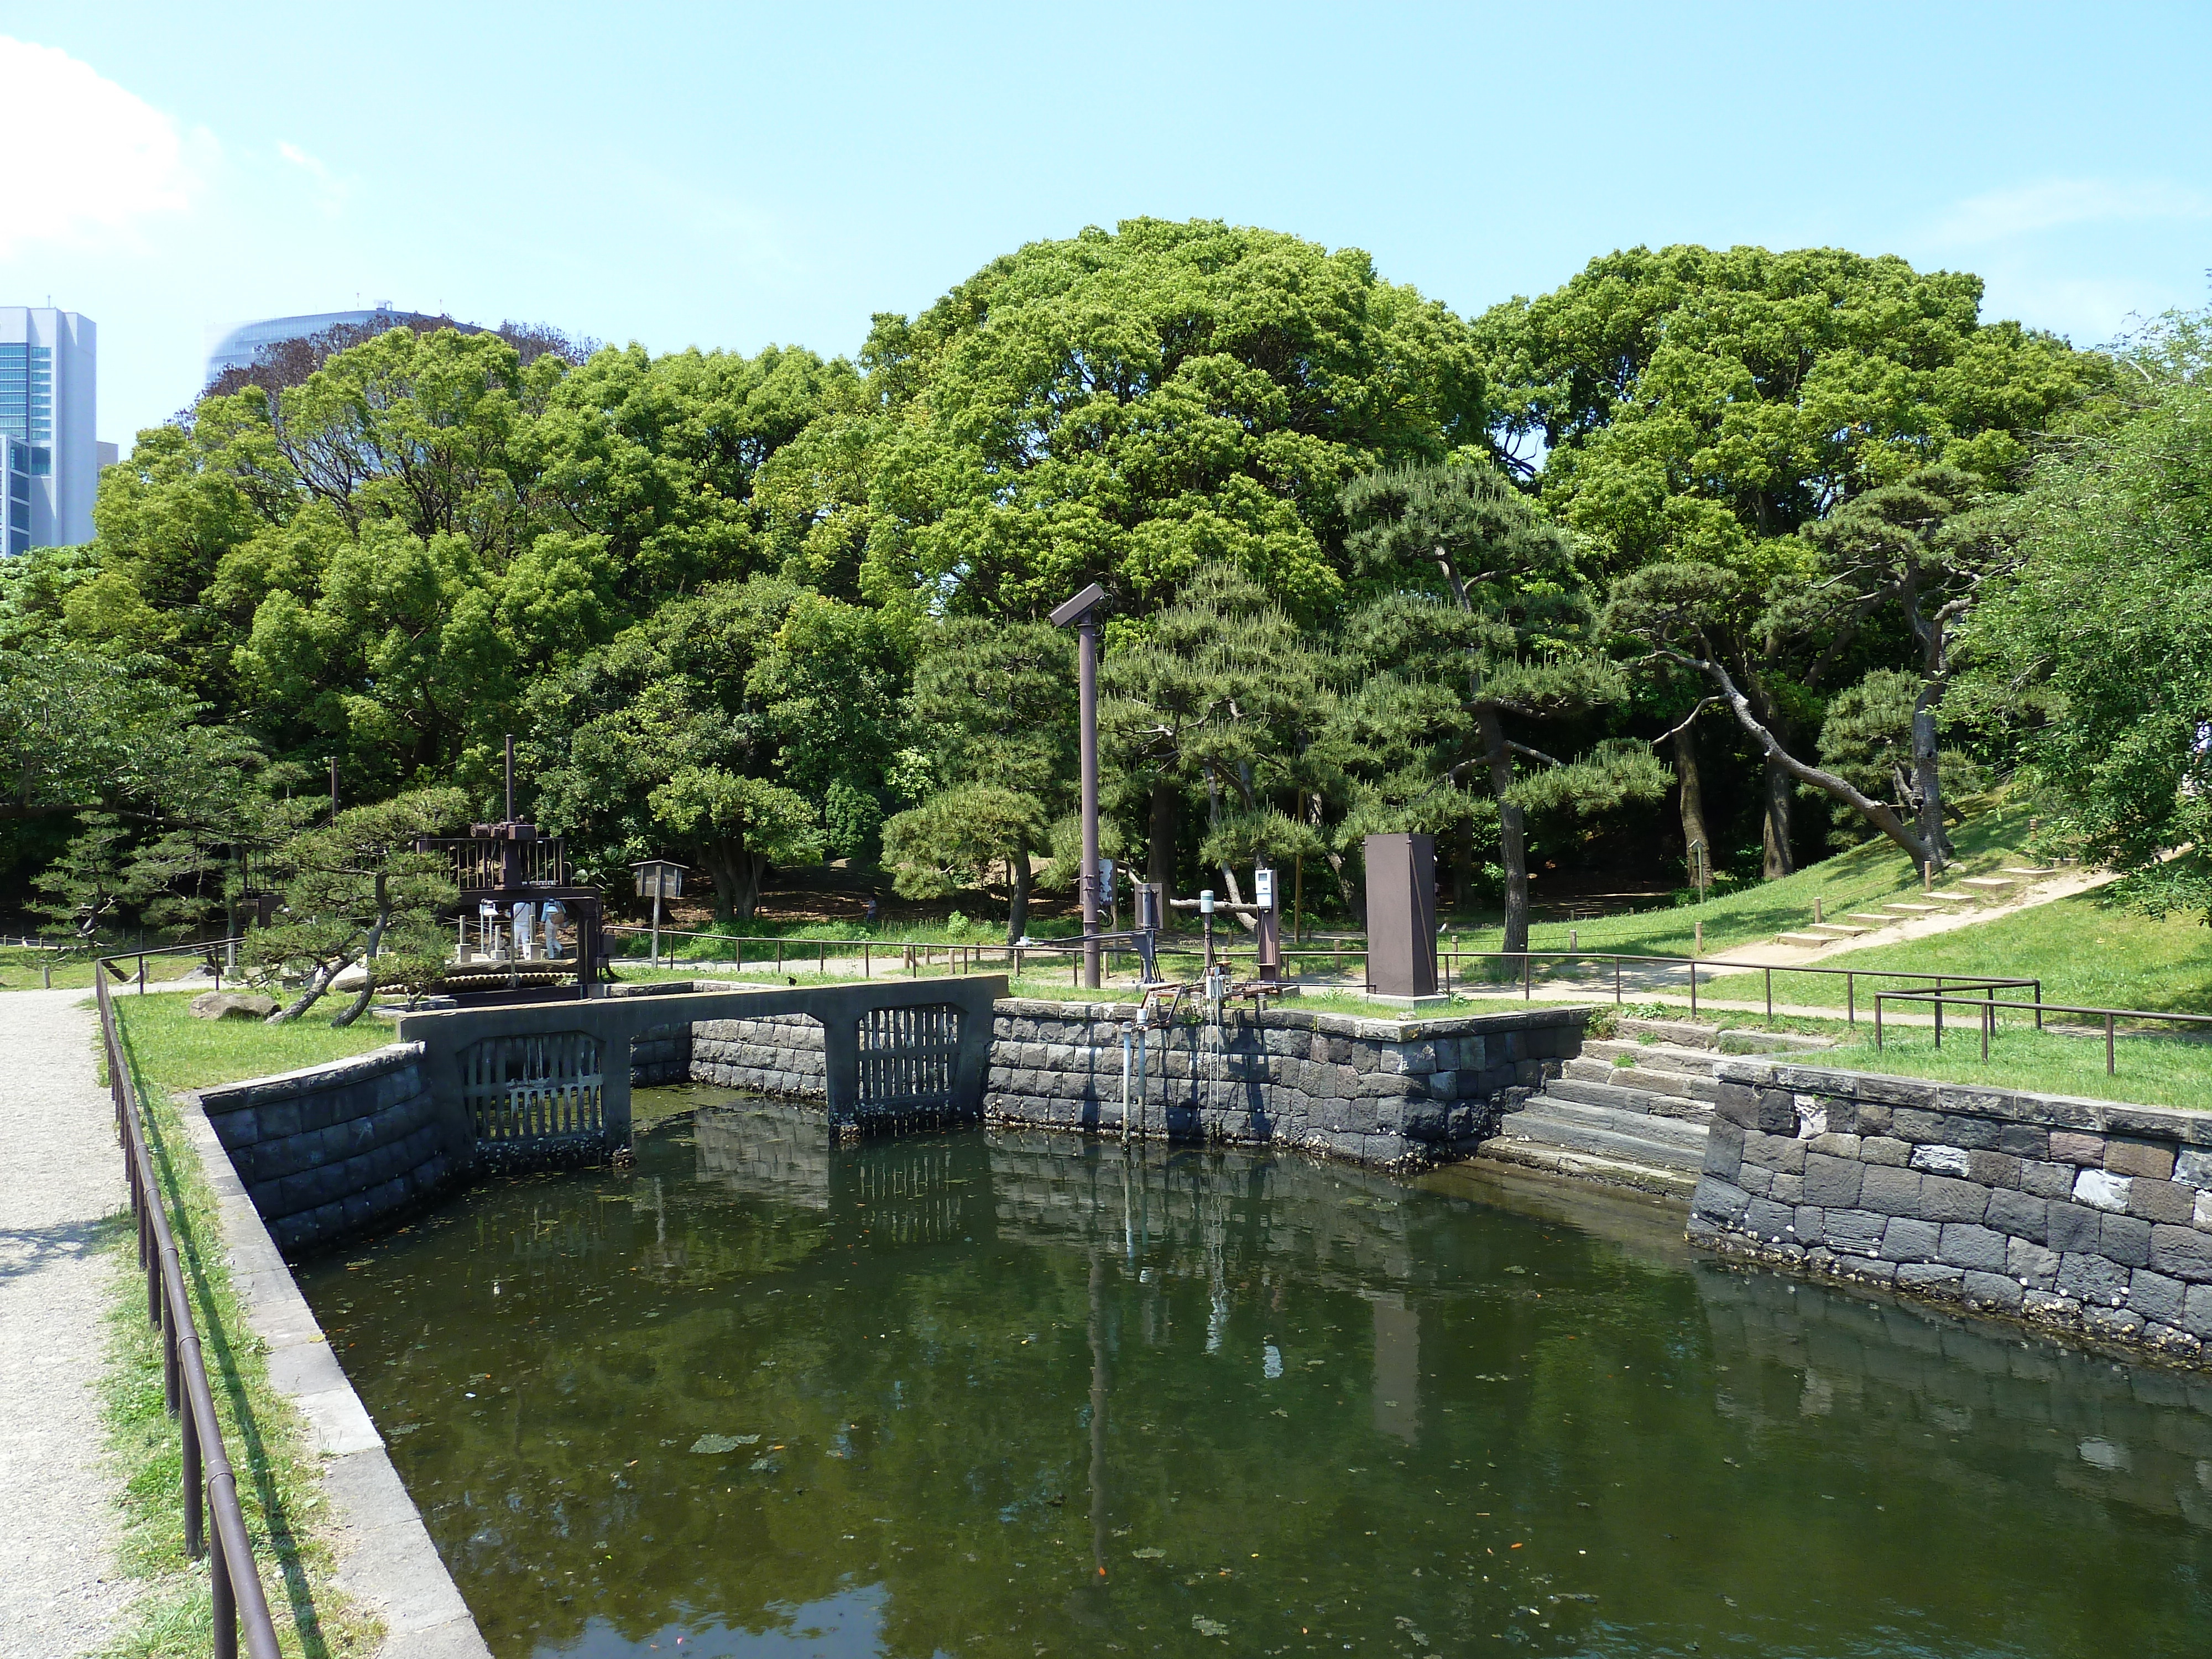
334	788
510	779
1086	633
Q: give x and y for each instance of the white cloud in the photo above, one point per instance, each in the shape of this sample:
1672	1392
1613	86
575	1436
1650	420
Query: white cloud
84	158
2055	204
330	191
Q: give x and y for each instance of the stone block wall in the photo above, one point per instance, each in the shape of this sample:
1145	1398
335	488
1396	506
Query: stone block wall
1375	1092
2082	1215
336	1150
661	1054
781	1055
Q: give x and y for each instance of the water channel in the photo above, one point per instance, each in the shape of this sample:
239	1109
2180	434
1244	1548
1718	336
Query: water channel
986	1395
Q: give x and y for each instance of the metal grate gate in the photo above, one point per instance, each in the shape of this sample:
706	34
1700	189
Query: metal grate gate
907	1058
532	1088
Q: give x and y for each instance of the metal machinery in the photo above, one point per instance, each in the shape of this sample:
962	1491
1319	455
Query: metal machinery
515	905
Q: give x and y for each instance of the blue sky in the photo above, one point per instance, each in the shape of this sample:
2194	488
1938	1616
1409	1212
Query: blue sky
733	175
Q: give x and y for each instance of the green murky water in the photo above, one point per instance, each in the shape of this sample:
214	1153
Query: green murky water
1003	1395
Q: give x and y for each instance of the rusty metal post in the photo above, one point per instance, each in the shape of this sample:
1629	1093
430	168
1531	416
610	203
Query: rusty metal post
1083	611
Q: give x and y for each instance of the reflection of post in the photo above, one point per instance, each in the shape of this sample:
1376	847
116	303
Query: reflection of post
1098	1417
1082	610
1397	1366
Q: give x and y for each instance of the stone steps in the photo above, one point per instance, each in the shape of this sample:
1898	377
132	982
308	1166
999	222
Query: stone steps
2020	869
1651	1056
1622	1148
1811	940
1614	1097
1681	1033
1869	917
1681	1085
1986	883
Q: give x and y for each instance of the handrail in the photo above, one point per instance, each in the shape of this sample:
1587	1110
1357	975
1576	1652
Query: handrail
1449	956
234	1584
1989	1005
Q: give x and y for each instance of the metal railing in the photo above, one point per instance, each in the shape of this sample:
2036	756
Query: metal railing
1851	976
1986	1008
966	958
210	1489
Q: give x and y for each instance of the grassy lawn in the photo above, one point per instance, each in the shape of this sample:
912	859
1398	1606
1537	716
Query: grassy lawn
173	1050
2151	1070
20	970
2086	949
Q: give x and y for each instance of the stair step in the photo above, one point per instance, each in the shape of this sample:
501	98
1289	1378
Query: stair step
1678	1131
1685	1034
1914	909
1626	1097
1805	939
1836	929
1684	1086
1603	1140
1986	883
1878	921
2021	870
1734	1042
1653	1056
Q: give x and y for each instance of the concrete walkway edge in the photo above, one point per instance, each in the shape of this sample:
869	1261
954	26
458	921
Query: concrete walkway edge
385	1558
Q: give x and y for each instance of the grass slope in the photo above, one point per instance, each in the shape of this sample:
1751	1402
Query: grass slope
176	1051
2087	950
1863	878
279	1480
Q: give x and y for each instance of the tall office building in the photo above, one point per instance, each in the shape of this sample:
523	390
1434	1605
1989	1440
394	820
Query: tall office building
48	362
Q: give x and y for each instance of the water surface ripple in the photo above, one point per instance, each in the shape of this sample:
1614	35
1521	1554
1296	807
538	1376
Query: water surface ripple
989	1394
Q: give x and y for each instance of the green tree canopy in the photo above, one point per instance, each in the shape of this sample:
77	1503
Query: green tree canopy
1126	406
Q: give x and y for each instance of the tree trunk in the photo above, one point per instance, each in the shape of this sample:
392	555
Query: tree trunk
1512	842
1693	795
1160	841
1927	780
368	958
737	873
1017	897
318	983
1776	789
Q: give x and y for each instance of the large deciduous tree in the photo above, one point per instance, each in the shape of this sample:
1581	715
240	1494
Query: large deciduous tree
1691	405
1128	405
2103	638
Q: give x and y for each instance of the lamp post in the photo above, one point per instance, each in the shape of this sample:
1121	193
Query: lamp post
659	878
1083	611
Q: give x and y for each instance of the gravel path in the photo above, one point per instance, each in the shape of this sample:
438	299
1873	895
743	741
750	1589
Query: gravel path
60	1594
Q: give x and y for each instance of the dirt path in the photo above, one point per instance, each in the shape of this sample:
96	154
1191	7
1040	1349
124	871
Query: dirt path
60	1592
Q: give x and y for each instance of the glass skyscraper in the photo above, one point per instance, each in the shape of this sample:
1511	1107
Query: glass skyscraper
48	365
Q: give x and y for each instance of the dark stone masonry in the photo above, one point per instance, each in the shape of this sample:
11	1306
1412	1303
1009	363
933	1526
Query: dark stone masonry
2084	1215
337	1149
1374	1091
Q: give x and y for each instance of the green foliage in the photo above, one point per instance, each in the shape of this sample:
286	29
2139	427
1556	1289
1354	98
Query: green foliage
960	838
2109	622
1867	737
1693	402
1130	405
852	823
355	892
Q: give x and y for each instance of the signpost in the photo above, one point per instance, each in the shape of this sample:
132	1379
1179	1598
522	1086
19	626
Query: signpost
659	878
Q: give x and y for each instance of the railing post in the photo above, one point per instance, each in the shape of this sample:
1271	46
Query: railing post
2108	1046
2038	1005
1877	1021
1988	1017
1693	987
225	1603
195	1531
1616	982
1770	996
1850	998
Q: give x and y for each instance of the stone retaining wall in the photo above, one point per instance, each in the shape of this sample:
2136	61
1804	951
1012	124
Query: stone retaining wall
336	1150
2079	1214
781	1055
661	1054
1375	1092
